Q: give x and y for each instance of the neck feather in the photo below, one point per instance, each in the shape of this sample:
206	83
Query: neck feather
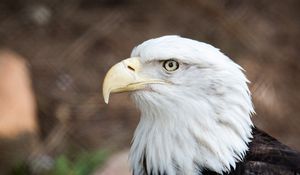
186	138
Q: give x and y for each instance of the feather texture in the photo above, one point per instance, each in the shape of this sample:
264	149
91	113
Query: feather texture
266	156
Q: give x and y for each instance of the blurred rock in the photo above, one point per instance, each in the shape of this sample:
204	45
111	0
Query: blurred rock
18	126
17	105
117	165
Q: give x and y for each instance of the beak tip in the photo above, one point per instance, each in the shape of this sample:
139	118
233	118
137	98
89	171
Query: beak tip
106	97
105	92
106	100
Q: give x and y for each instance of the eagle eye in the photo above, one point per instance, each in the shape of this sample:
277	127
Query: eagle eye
170	65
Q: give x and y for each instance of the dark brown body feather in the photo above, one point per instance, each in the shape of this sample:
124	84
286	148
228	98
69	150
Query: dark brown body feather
266	156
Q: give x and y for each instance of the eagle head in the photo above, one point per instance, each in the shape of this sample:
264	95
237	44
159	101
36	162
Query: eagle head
195	106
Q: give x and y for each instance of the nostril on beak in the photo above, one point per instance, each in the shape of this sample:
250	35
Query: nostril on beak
131	68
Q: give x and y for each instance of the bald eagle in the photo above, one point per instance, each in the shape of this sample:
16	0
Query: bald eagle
195	113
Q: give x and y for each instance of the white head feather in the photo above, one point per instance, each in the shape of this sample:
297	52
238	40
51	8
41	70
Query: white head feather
200	120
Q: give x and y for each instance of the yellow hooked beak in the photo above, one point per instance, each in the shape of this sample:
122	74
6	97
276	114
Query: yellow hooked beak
124	76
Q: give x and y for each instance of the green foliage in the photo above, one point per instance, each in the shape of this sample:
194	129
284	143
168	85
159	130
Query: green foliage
20	169
83	164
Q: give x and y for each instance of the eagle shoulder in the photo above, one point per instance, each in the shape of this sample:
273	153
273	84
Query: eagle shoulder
266	156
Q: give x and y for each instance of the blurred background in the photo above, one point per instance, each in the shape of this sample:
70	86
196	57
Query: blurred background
54	54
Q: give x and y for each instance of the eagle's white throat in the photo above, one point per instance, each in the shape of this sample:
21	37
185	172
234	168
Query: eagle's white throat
200	120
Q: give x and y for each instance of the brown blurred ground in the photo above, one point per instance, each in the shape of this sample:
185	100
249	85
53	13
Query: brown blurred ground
69	45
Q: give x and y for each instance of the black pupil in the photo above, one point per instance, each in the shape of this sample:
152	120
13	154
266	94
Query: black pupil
171	64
